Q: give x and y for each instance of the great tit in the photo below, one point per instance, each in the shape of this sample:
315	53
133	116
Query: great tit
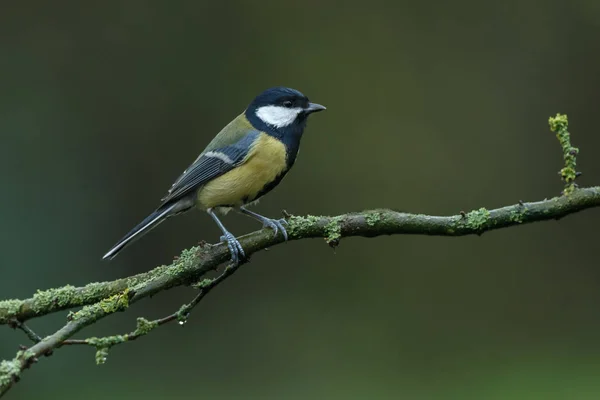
245	161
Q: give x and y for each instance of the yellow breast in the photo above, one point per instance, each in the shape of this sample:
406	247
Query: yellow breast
264	162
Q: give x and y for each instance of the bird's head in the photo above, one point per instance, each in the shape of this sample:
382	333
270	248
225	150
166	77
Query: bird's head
281	110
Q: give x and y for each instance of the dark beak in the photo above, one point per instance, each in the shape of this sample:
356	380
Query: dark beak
314	107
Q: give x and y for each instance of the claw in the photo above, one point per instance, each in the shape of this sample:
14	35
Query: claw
276	225
271	224
235	248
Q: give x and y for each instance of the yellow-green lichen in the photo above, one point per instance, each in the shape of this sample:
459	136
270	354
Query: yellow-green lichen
10	370
186	260
558	123
83	313
333	231
107	341
101	355
184	313
144	326
44	301
103	344
188	257
477	219
51	298
117	302
373	218
203	283
517	215
114	303
297	224
92	292
145	277
560	126
9	309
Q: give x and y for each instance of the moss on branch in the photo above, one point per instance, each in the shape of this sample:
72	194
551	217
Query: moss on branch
194	262
560	126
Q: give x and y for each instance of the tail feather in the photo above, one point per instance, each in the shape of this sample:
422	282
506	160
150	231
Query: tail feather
150	222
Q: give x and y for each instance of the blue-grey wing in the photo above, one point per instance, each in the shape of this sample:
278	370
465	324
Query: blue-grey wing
210	165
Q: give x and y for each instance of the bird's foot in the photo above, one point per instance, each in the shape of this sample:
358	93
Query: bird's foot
276	225
235	248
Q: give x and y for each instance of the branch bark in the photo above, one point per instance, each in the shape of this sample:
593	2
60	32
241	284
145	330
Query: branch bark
99	300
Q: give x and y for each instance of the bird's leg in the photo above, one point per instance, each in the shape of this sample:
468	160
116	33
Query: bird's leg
275	224
235	248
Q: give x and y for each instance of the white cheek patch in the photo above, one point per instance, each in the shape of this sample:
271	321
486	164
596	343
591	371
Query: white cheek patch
278	116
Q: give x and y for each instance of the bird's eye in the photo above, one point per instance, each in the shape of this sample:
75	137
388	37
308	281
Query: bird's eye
287	104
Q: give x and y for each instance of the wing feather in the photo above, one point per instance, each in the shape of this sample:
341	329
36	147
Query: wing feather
210	165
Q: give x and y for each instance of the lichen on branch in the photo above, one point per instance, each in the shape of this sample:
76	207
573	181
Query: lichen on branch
560	126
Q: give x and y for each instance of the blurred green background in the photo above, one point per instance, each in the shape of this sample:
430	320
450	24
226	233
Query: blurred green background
433	107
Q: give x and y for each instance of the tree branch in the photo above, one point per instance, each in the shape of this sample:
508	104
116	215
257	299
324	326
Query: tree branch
99	300
103	345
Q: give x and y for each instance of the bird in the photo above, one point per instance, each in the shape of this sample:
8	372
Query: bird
247	159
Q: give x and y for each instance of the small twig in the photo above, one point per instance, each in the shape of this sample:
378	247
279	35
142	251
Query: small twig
16	324
104	344
560	126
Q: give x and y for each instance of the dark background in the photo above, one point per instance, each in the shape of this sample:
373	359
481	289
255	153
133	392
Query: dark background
433	107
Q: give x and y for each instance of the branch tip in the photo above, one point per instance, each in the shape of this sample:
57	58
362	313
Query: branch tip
560	126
